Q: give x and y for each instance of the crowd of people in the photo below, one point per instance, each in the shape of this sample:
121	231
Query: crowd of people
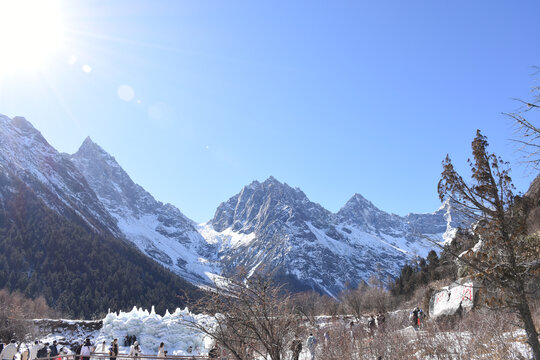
82	351
376	323
31	352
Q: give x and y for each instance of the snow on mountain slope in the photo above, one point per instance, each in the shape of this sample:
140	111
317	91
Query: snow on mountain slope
159	230
26	156
274	226
267	225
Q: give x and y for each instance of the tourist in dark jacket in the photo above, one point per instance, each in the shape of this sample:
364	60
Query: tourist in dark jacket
54	349
113	350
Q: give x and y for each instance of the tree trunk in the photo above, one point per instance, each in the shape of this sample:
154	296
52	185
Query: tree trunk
528	325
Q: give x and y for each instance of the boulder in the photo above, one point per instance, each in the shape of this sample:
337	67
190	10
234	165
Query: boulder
453	299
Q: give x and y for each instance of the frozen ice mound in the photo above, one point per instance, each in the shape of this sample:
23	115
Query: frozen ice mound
151	329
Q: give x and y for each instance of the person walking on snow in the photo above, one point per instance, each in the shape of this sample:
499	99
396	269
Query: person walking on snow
33	350
296	347
161	351
102	348
380	322
214	352
86	350
371	325
43	351
9	351
311	344
25	354
135	351
53	349
415	317
113	350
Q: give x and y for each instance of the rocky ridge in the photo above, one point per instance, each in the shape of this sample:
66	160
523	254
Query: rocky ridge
267	226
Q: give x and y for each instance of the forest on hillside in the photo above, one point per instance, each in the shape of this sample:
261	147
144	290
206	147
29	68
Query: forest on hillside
78	271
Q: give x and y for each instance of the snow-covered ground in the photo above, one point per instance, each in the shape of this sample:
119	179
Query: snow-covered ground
151	329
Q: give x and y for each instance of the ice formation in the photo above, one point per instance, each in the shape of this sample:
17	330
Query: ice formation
151	329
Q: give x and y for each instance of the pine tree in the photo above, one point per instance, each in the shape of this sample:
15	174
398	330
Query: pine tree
507	257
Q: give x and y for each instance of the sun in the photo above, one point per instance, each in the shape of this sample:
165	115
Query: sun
31	32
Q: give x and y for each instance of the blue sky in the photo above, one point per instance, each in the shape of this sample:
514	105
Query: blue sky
336	98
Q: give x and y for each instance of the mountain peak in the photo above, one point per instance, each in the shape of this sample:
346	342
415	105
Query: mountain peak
89	144
88	141
22	123
22	127
271	180
91	150
358	200
358	197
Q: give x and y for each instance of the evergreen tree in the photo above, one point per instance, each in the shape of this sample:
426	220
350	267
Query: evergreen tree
507	258
76	269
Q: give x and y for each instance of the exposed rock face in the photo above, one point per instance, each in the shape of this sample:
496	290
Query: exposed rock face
273	226
159	230
25	155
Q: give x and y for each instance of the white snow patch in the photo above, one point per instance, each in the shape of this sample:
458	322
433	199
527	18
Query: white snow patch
227	238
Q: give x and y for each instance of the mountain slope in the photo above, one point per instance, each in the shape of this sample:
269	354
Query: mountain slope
79	272
51	175
159	230
268	226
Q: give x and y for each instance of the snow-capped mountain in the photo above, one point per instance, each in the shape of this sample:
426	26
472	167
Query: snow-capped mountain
271	226
268	226
25	155
159	230
58	240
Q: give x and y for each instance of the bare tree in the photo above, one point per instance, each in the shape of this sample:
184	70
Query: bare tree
328	306
251	317
352	301
528	133
507	258
16	312
306	305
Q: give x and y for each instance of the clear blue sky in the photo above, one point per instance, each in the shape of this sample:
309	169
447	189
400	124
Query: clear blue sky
333	97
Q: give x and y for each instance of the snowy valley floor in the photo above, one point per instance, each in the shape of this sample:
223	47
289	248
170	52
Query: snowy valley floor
480	337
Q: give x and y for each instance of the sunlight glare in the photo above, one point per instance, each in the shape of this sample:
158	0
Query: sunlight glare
31	32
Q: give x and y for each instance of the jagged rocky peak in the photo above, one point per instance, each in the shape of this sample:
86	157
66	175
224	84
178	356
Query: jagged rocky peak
110	182
159	230
118	191
92	151
51	175
22	123
357	203
88	145
361	212
258	204
23	127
